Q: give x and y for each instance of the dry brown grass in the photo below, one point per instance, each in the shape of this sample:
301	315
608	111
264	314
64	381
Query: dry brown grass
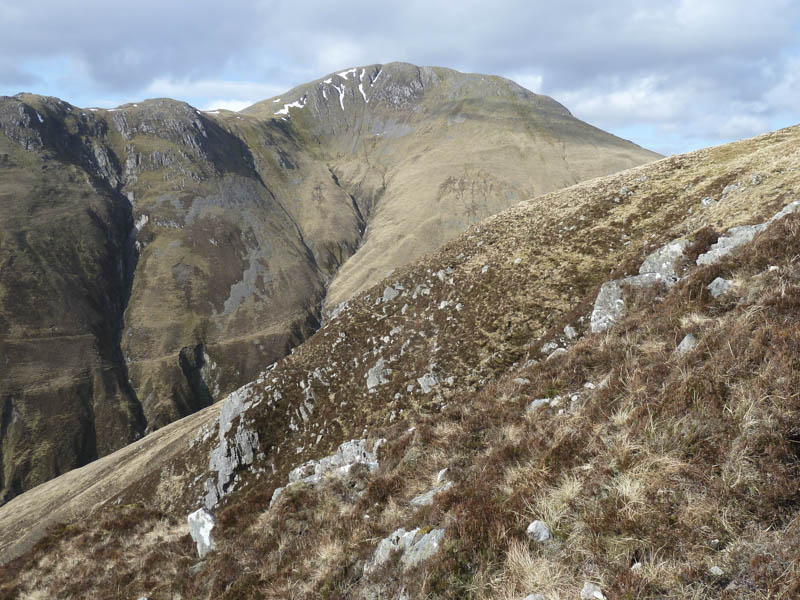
675	465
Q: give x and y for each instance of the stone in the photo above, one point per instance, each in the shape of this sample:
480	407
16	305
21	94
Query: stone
687	343
538	531
591	591
231	455
729	189
534	597
521	381
786	210
347	455
201	522
716	571
275	495
719	286
415	547
556	353
426	499
378	374
570	332
610	302
427	382
665	260
390	294
727	243
537	403
422	549
707	201
549	347
738	236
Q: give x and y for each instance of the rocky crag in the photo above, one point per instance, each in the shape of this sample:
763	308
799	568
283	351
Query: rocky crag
589	395
154	257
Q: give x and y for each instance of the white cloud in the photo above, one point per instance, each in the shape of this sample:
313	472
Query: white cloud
208	88
532	82
738	127
689	70
234	105
647	99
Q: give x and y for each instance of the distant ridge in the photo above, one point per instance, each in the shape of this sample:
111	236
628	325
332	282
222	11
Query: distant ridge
156	257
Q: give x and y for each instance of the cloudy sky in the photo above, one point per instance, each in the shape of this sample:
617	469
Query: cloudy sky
672	75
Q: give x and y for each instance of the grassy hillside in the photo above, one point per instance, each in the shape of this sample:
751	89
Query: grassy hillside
168	254
658	473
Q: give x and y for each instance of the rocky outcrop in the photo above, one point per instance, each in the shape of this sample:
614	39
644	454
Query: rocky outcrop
610	302
232	453
348	455
414	547
738	236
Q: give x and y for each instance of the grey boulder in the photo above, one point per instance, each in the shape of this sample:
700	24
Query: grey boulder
687	344
719	286
591	591
415	547
609	305
201	523
665	260
538	531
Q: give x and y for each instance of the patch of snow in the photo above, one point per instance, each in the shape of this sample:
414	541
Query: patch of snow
361	85
296	104
346	74
328	80
276	100
376	77
38	116
341	95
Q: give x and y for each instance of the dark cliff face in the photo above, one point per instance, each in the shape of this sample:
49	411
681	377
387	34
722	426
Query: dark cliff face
155	257
65	270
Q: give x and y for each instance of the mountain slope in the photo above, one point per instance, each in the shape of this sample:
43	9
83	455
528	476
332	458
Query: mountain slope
156	256
657	472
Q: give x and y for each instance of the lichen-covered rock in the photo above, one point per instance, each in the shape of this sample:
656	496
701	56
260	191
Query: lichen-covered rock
610	302
733	238
231	454
201	523
427	382
738	236
665	260
719	286
378	374
415	547
349	454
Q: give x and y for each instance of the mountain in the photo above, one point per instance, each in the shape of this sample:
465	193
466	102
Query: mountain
156	257
590	394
